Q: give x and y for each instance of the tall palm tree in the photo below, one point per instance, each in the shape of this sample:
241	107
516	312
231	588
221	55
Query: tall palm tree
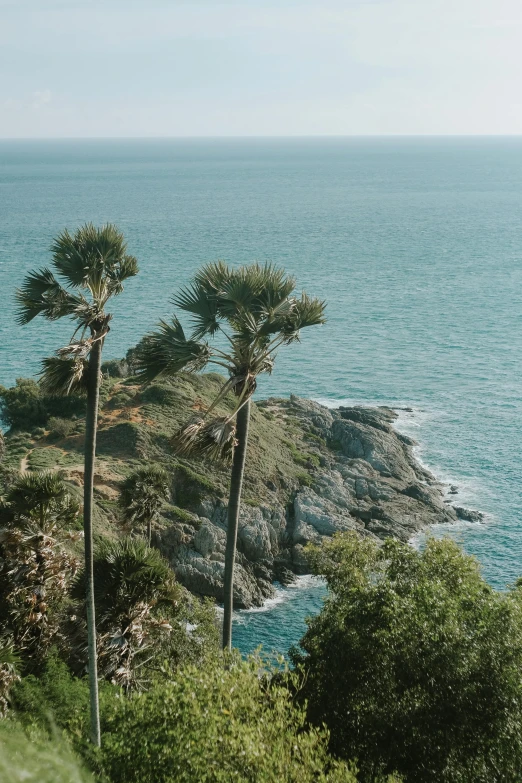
253	312
142	493
92	265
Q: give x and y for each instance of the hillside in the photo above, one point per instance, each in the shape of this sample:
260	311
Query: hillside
310	472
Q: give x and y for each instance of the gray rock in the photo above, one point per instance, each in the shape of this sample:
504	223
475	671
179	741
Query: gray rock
373	486
205	576
209	539
468	514
316	516
381	449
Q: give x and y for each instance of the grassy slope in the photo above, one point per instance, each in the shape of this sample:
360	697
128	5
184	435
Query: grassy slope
136	427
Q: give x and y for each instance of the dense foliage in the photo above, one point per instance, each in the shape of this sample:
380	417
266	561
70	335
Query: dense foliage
216	724
25	405
414	663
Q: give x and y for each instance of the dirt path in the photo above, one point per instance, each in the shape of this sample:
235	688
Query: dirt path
24	462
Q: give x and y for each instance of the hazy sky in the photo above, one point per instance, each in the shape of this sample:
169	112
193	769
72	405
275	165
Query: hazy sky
259	67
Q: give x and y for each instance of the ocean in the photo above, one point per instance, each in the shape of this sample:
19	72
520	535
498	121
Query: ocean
415	243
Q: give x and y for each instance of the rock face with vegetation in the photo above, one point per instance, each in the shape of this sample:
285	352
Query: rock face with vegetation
311	472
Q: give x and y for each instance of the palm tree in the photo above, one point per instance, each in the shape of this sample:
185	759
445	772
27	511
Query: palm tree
42	498
92	265
35	569
141	495
253	312
136	595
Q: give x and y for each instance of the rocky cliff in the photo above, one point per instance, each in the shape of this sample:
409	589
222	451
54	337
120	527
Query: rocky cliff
364	477
311	471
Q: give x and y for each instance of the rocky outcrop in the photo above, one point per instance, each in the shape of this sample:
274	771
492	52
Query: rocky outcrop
365	478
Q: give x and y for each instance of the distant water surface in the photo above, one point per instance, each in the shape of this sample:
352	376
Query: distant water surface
416	244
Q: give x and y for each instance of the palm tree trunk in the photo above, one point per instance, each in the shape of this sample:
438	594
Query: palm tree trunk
91	421
236	483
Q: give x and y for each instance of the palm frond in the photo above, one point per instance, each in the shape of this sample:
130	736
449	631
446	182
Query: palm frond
42	497
167	351
9	655
214	439
127	267
212	277
94	258
202	304
309	311
42	294
127	572
274	285
63	376
143	492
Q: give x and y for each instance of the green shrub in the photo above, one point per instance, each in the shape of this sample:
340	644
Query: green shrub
24	405
54	698
414	663
36	759
60	428
115	368
215	725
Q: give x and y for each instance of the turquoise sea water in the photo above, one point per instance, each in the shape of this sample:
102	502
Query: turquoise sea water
415	243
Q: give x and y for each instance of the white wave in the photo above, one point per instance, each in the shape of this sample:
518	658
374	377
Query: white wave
282	595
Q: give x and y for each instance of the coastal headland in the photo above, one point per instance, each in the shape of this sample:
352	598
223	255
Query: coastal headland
311	471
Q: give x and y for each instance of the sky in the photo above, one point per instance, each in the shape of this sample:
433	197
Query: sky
134	68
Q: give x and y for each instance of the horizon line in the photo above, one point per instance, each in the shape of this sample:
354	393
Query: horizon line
271	136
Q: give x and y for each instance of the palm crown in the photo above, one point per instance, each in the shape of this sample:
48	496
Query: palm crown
142	494
92	265
42	498
254	309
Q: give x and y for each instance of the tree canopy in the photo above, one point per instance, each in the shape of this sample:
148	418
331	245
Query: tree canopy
414	663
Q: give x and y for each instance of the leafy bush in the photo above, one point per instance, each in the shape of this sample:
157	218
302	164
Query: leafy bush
35	759
216	724
414	663
54	698
60	428
115	368
24	406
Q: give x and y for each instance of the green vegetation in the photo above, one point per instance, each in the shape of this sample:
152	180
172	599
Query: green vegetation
414	663
26	405
142	495
37	759
412	669
214	725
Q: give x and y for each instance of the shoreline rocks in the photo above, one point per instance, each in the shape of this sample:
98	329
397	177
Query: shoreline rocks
367	480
